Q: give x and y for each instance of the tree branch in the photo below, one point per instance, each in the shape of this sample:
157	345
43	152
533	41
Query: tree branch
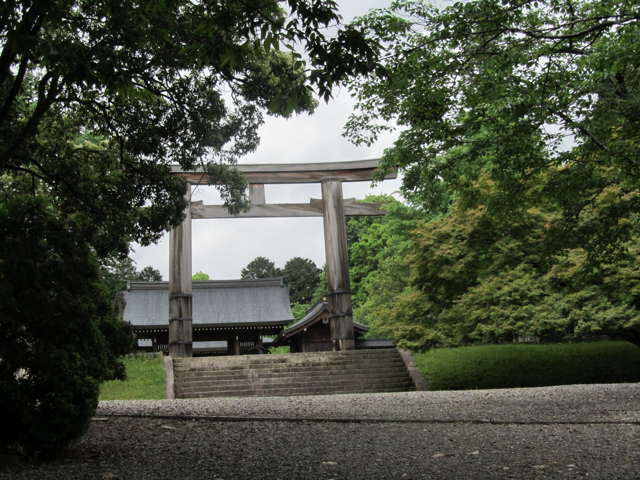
582	129
16	168
49	88
15	88
31	24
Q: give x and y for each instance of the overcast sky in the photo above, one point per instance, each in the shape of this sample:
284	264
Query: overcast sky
221	248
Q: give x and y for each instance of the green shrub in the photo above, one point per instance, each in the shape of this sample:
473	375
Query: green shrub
510	366
59	339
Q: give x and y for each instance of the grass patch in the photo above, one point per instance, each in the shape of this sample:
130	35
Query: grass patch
510	366
145	380
279	350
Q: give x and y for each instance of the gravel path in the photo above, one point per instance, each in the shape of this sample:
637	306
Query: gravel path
559	432
572	403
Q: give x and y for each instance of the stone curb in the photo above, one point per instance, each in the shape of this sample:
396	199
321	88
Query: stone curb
418	380
170	390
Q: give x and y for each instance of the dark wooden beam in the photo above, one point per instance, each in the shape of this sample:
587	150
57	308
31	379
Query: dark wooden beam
277	173
312	209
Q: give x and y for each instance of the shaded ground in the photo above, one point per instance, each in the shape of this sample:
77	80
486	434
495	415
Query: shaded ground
557	432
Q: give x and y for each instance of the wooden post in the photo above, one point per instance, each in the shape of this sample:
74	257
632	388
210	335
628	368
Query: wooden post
335	242
180	298
256	194
233	344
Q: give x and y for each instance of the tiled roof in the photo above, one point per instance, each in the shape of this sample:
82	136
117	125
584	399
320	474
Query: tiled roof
262	301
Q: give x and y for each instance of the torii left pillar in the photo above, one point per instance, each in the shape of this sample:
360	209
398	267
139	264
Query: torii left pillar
180	287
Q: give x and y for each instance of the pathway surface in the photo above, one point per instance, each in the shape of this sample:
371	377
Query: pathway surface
586	431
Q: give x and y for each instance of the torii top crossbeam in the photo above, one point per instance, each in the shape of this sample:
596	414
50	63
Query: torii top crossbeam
332	208
279	173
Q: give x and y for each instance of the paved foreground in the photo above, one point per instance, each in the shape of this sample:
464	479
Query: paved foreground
557	432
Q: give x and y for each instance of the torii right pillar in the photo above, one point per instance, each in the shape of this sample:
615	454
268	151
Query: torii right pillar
335	243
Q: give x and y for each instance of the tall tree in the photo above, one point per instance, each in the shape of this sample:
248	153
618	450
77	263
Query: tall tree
150	274
200	276
97	99
58	338
116	270
523	114
481	277
375	241
303	277
378	250
260	267
511	89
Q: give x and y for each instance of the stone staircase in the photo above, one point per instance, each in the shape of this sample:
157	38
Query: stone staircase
355	371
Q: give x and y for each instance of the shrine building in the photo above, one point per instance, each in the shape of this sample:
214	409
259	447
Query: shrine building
312	333
229	316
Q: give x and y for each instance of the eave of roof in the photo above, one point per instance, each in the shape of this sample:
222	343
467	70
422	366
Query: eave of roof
218	326
205	284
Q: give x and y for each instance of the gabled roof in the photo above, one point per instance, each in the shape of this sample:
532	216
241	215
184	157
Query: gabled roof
215	302
312	317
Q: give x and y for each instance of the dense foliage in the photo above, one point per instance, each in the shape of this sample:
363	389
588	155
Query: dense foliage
303	278
509	89
199	276
59	338
116	270
474	276
97	99
518	125
260	267
378	249
517	366
486	278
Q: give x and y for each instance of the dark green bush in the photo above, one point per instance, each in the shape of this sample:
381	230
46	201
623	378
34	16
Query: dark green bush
511	366
58	337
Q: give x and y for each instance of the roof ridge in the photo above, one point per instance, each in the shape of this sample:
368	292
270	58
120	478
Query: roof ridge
234	283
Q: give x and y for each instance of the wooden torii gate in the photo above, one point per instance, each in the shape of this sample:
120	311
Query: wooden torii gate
332	207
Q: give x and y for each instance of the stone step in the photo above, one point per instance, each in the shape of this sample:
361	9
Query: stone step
222	366
280	375
291	374
286	356
282	366
292	370
263	382
297	384
285	371
284	378
299	358
276	390
296	391
297	378
255	360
